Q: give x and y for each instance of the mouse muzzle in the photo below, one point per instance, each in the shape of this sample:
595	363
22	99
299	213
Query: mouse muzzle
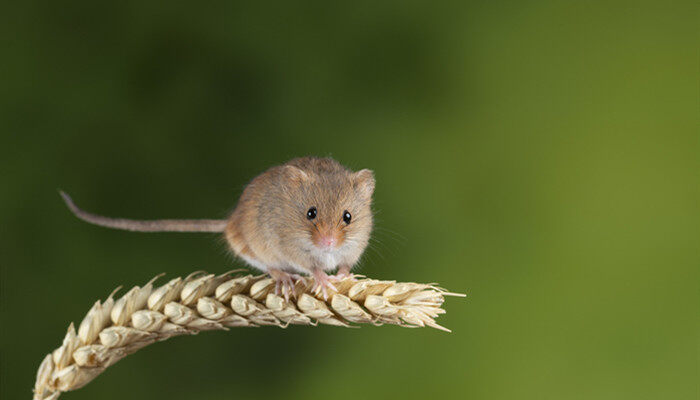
327	237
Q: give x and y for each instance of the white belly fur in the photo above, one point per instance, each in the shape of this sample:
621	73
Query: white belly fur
327	260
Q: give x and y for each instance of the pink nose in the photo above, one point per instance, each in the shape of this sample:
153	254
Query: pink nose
328	241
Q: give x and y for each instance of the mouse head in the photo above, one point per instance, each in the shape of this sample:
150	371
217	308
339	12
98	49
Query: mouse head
332	207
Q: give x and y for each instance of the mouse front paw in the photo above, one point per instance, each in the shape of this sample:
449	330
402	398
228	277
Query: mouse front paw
344	274
322	284
285	283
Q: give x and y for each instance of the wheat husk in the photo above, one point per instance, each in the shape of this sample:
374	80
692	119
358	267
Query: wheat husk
113	329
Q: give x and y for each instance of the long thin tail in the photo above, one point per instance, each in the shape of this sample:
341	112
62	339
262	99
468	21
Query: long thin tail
160	225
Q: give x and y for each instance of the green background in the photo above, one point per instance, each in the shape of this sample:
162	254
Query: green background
540	156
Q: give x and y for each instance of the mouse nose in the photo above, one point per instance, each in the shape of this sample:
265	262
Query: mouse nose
328	241
326	237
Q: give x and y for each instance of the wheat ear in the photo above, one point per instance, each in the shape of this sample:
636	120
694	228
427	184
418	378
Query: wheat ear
114	329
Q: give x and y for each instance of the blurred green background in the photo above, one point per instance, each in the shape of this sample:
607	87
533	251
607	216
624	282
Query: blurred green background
540	156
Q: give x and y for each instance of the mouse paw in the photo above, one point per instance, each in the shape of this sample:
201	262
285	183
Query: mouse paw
344	274
285	283
322	284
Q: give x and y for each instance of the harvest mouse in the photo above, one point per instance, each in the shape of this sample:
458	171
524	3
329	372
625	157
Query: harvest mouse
307	216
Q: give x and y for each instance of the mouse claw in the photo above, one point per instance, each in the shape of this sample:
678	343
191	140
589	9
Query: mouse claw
285	283
322	284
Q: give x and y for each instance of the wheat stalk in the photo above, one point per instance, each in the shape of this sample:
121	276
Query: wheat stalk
114	329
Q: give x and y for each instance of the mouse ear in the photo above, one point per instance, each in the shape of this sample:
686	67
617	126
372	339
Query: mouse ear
294	174
363	181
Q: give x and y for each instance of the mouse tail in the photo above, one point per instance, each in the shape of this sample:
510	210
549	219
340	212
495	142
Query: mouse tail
160	225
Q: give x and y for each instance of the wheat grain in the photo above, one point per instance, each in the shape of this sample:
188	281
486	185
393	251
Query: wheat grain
114	329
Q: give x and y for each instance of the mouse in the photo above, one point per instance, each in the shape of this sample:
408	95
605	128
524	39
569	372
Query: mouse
305	217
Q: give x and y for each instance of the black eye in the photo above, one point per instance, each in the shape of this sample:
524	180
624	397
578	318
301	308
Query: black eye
311	214
346	216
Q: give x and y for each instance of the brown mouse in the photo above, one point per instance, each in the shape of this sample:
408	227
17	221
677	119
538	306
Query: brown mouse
307	216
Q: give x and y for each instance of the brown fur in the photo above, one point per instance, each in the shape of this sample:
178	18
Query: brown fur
269	227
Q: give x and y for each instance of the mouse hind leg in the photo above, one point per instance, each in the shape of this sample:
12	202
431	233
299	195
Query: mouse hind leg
239	245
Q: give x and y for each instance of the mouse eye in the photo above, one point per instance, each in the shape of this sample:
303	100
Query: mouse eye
311	214
346	216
